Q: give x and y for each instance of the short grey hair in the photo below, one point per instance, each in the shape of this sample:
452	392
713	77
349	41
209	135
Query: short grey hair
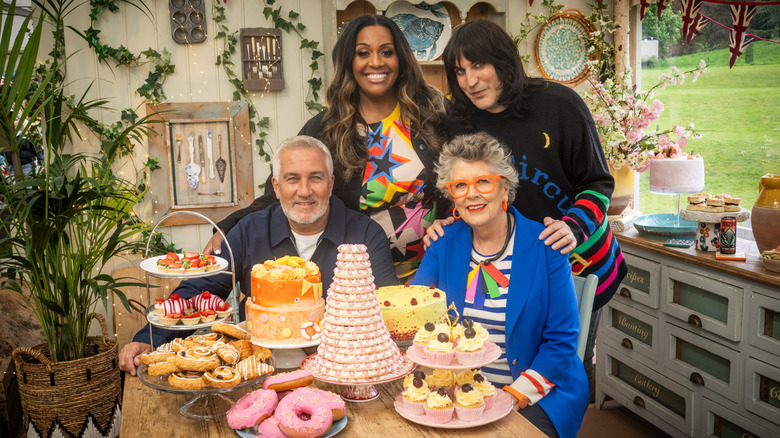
473	148
302	142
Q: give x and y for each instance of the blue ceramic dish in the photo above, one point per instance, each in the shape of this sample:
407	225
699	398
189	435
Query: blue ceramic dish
664	226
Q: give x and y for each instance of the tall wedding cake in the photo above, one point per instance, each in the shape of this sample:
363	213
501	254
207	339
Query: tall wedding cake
355	343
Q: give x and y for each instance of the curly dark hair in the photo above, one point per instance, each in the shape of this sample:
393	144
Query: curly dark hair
421	104
485	41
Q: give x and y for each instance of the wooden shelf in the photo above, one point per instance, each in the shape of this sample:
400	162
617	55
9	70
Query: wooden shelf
261	59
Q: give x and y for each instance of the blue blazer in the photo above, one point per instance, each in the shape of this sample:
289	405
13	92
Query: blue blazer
542	316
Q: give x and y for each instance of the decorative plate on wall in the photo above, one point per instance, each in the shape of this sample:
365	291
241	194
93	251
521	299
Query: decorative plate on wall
426	27
561	54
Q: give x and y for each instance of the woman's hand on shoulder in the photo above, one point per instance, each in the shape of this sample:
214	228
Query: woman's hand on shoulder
436	230
558	235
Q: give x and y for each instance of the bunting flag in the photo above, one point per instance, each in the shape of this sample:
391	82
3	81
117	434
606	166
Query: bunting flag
661	5
738	39
690	9
643	5
698	23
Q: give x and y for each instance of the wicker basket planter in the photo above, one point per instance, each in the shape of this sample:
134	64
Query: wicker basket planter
74	398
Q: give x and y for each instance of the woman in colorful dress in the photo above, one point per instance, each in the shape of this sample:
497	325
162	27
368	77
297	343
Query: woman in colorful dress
499	274
384	126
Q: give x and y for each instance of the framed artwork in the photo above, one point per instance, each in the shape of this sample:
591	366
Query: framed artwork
205	160
561	54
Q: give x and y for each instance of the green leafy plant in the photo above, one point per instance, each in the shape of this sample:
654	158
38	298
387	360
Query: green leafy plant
61	227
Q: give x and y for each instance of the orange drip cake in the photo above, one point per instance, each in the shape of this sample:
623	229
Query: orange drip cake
286	305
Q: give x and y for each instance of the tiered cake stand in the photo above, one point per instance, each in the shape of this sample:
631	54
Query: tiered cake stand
666	225
209	403
502	406
708	229
361	390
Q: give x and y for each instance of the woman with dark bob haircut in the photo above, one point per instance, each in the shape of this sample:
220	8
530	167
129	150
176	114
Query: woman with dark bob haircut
564	180
384	127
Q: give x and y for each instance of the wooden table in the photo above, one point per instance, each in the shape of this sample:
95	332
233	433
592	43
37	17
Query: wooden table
145	413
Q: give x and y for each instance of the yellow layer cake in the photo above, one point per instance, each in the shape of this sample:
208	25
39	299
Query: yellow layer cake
407	308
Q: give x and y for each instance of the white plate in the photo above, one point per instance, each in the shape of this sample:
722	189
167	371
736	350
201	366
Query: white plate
335	428
150	265
154	319
502	406
492	352
427	28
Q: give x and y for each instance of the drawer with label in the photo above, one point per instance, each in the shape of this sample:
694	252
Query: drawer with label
635	331
640	284
764	322
704	303
717	421
701	363
644	391
762	389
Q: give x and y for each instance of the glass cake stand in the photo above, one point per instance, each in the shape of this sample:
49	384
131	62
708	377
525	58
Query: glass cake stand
362	390
206	403
666	225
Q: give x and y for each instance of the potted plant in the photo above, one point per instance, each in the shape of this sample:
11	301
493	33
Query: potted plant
61	226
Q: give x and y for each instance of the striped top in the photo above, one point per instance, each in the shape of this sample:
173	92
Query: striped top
492	317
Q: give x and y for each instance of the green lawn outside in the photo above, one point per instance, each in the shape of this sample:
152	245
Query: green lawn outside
737	110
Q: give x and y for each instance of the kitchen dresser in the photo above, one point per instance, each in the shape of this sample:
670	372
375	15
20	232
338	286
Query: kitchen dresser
691	343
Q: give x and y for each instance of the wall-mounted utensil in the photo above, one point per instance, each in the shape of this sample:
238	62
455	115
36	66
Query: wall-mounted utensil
210	153
192	169
211	193
178	146
221	163
202	159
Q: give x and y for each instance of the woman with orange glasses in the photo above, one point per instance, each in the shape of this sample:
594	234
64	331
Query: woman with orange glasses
499	274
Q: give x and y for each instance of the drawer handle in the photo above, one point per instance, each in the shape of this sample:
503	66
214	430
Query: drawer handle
627	344
697	379
639	402
624	292
694	321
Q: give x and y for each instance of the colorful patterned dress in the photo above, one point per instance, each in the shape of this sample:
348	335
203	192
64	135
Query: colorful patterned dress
394	190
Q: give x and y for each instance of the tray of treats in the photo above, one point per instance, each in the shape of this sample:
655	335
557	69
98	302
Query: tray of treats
446	400
492	353
287	406
177	313
220	361
453	345
184	265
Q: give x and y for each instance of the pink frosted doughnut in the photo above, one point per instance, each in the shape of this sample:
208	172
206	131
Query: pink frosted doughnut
303	414
287	381
334	402
269	428
252	409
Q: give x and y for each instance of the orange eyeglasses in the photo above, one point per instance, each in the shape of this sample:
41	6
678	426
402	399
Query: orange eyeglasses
484	184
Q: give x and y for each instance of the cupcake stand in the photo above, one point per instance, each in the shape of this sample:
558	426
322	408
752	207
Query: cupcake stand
207	403
502	405
667	225
708	228
287	356
361	390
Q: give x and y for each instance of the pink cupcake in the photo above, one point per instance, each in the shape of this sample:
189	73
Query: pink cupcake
439	351
486	388
469	403
415	396
470	350
438	408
